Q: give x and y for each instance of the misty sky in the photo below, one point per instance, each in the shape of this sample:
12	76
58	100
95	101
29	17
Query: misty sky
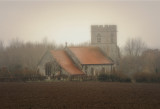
68	21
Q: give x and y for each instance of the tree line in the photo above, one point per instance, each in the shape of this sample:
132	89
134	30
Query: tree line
136	59
20	57
140	62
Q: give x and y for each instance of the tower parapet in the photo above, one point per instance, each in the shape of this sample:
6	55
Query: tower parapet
104	28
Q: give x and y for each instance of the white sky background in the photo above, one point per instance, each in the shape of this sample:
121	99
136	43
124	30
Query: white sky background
68	21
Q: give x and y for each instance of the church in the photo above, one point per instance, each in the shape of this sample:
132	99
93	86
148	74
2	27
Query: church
101	57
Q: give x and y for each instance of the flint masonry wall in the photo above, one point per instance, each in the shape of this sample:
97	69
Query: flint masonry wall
105	37
45	59
94	70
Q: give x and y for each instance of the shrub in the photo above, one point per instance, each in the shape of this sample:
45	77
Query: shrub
20	75
146	77
4	72
116	77
103	77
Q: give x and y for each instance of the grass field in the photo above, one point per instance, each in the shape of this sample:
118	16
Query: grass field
79	95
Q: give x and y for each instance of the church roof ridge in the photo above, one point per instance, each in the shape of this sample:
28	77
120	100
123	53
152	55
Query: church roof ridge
83	47
65	62
90	55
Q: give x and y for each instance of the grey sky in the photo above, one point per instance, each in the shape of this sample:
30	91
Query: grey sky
68	21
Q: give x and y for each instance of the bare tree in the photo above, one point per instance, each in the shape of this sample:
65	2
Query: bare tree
1	46
151	59
16	42
132	61
20	55
1	53
134	47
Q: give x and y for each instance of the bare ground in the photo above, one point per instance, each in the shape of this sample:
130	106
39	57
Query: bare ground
79	95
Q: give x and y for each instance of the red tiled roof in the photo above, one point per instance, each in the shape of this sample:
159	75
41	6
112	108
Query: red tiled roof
65	62
90	55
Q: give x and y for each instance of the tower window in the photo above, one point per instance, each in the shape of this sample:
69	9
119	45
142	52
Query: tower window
112	37
98	38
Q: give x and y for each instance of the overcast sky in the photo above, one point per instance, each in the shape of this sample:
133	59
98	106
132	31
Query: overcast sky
68	21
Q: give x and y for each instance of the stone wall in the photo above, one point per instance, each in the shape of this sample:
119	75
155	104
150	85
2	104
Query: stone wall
105	37
95	70
46	58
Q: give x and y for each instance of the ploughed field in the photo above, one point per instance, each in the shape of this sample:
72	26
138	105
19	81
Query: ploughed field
79	95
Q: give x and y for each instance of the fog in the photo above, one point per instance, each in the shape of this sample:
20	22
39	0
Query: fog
67	21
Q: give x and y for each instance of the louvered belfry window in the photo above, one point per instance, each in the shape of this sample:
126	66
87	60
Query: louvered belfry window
98	38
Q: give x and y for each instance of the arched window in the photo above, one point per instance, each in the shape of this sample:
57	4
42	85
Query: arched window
103	70
92	71
48	68
98	38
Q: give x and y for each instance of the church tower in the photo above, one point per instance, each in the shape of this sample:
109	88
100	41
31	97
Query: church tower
105	37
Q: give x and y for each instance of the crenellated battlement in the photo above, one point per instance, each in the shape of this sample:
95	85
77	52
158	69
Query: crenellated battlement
104	28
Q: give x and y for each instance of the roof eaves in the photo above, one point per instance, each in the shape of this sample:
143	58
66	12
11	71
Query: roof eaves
99	64
74	54
45	53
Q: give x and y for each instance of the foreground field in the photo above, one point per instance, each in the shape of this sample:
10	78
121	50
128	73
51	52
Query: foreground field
79	95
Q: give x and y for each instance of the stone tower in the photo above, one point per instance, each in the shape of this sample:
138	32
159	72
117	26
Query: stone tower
105	37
